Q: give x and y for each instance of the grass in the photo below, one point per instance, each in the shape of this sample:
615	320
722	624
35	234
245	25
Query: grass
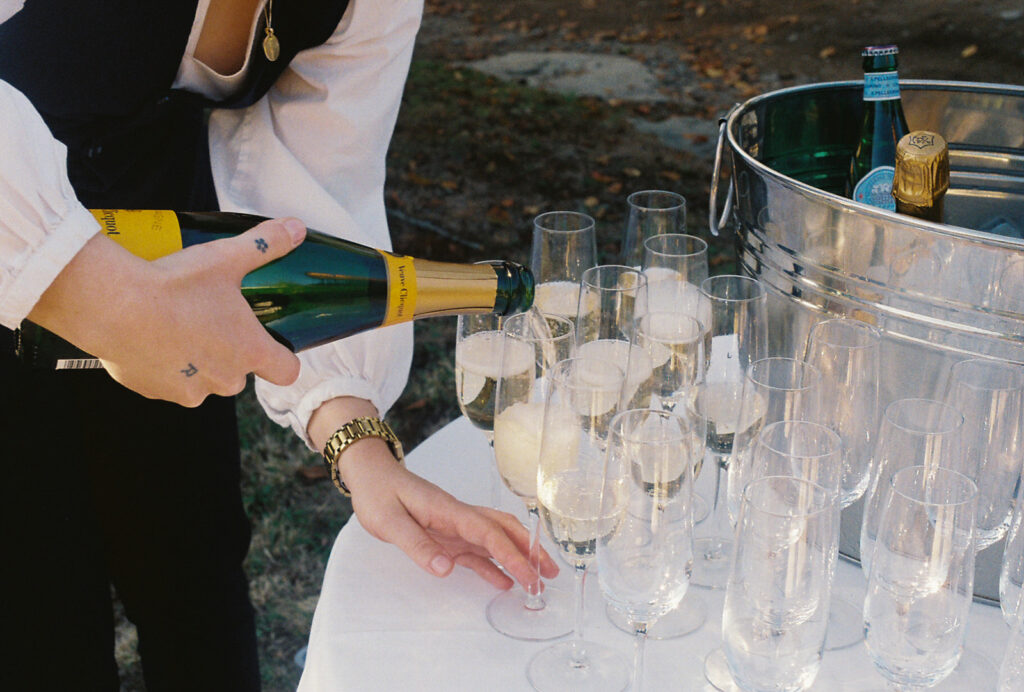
479	158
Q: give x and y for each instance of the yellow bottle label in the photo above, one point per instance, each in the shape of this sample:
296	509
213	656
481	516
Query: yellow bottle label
401	288
148	234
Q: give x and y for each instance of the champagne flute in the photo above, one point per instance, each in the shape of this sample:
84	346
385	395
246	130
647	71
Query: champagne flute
584	397
776	602
675	265
564	246
799	449
612	297
736	309
675	343
847	353
774	389
651	212
912	431
644	564
990	394
529	354
921	579
478	344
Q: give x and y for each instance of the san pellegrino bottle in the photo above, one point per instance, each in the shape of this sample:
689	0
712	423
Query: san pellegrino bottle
325	289
872	165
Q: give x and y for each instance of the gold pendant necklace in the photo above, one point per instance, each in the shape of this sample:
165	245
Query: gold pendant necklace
271	46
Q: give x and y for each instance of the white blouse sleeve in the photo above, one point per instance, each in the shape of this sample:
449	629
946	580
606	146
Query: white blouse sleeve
42	223
314	147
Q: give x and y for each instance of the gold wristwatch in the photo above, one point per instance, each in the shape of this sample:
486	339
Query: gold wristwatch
353	431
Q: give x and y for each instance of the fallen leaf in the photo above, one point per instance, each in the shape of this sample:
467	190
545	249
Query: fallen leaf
969	51
632	172
827	52
591	202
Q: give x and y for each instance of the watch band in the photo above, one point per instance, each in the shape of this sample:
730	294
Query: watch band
353	431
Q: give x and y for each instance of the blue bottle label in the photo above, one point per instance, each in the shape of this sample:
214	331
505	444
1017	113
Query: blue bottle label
881	86
875	188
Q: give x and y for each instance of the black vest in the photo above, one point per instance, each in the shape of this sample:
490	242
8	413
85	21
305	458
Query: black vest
100	74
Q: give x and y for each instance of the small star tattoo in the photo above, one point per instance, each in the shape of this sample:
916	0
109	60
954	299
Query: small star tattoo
261	245
190	370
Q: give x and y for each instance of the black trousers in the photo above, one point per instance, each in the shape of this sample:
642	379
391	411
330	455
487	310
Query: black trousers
101	487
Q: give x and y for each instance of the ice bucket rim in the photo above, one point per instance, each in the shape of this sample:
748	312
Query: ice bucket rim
733	117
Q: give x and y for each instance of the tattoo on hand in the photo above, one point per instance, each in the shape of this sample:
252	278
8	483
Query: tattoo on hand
190	370
262	245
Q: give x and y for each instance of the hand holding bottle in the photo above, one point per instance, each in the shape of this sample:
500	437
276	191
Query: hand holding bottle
176	328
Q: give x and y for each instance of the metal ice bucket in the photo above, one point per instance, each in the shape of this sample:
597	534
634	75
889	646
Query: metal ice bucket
938	292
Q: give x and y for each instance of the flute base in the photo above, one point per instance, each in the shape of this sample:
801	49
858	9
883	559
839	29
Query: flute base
509	614
711	557
578	665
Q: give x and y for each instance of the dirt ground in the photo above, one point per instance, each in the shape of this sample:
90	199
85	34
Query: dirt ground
738	48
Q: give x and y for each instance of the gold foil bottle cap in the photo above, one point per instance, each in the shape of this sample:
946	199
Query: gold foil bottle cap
922	169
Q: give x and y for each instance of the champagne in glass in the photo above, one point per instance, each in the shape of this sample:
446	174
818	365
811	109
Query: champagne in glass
564	246
570	493
478	345
530	351
736	313
476	377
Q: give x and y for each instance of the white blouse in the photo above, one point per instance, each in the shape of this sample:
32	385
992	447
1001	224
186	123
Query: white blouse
313	147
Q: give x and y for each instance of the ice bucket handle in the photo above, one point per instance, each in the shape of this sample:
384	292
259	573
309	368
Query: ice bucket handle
716	222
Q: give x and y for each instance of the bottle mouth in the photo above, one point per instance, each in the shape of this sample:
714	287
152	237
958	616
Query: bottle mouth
515	287
874	51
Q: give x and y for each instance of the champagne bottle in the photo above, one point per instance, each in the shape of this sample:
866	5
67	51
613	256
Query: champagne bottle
325	289
872	165
922	175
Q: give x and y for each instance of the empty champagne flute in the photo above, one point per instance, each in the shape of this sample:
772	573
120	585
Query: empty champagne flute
921	580
675	265
477	360
584	396
847	355
990	395
774	389
529	354
644	564
675	343
564	246
777	598
651	212
912	431
736	309
612	297
798	449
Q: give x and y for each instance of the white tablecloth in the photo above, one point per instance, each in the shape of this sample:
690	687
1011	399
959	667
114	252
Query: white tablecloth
383	624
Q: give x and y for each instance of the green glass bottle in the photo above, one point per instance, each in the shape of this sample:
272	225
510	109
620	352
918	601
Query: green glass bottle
872	165
325	289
